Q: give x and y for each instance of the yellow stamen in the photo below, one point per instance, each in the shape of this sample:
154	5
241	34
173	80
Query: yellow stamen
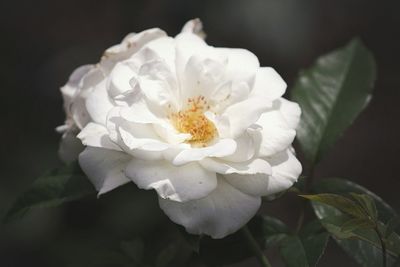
192	120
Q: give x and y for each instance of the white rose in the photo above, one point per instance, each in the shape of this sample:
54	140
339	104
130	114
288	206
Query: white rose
205	127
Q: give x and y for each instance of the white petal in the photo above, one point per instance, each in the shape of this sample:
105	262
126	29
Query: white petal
181	184
169	134
285	171
98	103
243	114
129	46
276	134
194	26
252	184
268	85
290	111
105	168
202	76
219	214
223	147
131	136
138	112
187	44
165	49
242	64
248	145
158	85
96	135
70	90
137	135
89	81
119	79
253	166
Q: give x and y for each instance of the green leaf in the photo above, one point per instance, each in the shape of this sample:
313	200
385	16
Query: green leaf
391	226
344	186
334	222
293	252
368	205
273	230
53	189
331	94
339	202
356	223
306	248
361	244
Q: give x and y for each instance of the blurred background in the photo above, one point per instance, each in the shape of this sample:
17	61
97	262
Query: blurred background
43	41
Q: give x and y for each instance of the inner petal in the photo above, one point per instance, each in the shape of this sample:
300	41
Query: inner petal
191	120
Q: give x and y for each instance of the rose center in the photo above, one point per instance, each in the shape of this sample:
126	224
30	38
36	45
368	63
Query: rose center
192	120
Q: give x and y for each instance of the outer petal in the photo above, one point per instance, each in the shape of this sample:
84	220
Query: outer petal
276	133
194	26
89	81
96	135
70	90
129	46
268	85
242	64
285	171
290	111
98	103
252	184
219	214
105	168
180	184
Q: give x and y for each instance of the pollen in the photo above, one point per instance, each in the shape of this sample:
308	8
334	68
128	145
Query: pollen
192	120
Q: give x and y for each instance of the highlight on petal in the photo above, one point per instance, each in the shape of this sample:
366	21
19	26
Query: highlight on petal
181	184
105	168
221	213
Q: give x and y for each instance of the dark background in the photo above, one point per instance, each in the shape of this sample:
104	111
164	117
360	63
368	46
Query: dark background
43	41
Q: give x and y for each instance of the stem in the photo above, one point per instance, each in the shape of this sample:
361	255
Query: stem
255	247
384	264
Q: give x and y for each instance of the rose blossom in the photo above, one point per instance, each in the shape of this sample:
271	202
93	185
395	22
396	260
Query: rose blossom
205	127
